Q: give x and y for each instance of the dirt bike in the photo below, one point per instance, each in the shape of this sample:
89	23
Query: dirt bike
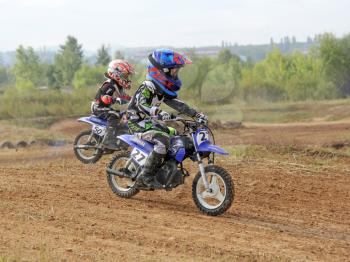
212	187
87	144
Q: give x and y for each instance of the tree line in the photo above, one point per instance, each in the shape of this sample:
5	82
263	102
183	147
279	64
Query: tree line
321	73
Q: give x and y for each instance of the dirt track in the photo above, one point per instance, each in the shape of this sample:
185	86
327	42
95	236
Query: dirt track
287	207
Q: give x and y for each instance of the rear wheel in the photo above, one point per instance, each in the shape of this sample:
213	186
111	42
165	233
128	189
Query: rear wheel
220	195
122	186
85	147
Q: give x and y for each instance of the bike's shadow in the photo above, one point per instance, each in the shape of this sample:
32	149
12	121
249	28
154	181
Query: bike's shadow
187	208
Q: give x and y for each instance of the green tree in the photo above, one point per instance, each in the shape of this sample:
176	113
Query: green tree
4	79
103	57
54	77
265	79
204	66
88	76
224	56
222	81
335	55
306	78
68	60
28	71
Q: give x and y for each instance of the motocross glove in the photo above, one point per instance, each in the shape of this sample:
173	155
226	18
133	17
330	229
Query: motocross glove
164	115
116	100
201	118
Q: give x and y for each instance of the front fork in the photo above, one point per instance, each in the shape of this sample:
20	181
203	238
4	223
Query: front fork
201	169
91	135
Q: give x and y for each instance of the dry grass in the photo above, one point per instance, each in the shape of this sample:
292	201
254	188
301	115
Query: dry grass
311	111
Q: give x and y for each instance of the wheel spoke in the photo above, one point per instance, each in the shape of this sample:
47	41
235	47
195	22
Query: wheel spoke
214	180
205	194
219	196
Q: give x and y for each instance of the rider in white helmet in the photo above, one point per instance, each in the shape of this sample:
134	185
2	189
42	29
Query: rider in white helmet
110	92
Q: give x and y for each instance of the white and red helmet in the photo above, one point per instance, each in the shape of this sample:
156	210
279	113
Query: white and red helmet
120	71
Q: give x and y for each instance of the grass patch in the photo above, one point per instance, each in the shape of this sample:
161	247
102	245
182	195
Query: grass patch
10	131
44	104
315	152
280	112
240	152
42	108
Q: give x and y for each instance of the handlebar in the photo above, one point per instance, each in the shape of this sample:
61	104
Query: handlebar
189	123
184	120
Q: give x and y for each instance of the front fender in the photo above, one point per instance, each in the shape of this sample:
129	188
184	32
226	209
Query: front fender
208	147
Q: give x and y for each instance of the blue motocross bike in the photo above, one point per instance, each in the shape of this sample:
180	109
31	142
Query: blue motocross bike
212	187
87	144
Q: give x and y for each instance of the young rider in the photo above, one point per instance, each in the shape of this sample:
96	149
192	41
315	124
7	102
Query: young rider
162	85
110	92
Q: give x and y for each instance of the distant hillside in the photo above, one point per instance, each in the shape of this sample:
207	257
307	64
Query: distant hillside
139	54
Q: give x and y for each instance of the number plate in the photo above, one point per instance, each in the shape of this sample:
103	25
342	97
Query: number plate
139	156
99	130
202	136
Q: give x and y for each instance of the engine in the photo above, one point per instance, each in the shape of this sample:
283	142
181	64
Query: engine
169	175
181	143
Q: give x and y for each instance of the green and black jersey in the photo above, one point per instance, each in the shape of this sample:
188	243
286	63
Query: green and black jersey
145	102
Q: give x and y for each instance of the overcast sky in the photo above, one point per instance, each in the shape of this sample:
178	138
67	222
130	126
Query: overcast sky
180	23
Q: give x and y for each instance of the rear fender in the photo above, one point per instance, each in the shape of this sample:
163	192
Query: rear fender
93	121
85	120
98	127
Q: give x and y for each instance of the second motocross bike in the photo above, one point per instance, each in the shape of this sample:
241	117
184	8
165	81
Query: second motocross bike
212	187
87	144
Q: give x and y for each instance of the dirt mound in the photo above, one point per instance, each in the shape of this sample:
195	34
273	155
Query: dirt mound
21	144
38	142
338	145
7	144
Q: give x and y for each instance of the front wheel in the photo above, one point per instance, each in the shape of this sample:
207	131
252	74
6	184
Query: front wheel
220	195
85	147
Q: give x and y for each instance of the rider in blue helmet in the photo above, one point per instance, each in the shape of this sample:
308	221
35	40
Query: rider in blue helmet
161	85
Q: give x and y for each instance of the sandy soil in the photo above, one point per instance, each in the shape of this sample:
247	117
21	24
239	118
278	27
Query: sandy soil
288	207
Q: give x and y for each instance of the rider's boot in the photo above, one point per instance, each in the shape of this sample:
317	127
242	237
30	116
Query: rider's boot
147	176
109	140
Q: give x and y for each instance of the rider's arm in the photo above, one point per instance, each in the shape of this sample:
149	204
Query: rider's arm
121	96
124	99
181	107
143	100
104	95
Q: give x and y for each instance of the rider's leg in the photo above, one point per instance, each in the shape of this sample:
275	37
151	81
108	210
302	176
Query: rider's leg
161	143
109	141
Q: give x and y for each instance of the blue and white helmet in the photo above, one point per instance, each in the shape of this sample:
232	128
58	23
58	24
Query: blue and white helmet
163	68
